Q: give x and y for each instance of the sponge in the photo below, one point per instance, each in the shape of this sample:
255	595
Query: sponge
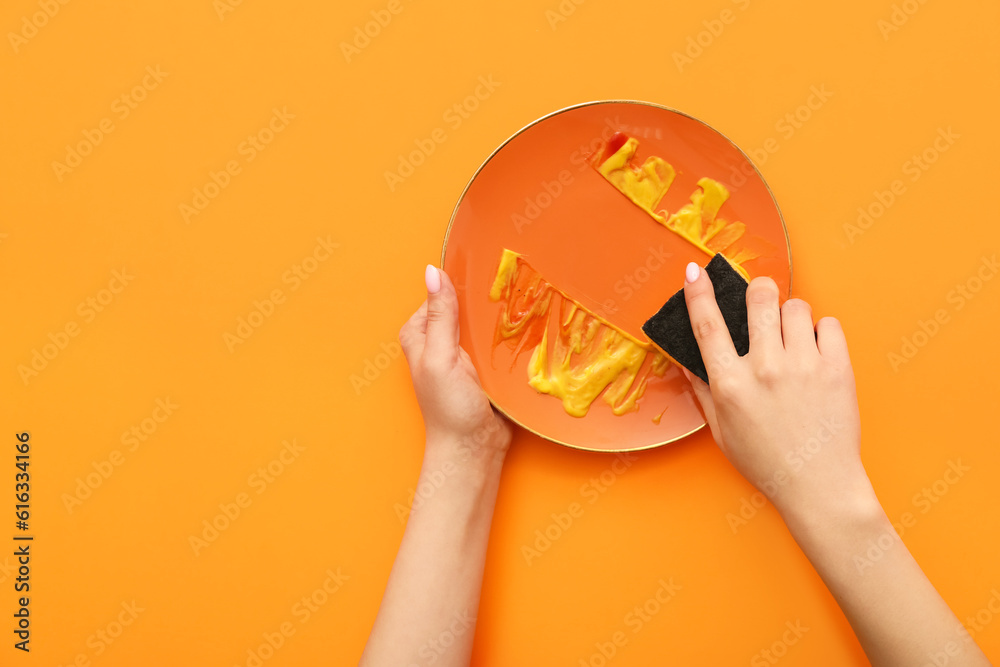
671	329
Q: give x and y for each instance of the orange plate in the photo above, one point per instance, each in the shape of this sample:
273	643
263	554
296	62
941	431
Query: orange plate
538	195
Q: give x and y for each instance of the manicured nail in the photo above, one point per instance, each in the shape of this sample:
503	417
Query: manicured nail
692	272
432	278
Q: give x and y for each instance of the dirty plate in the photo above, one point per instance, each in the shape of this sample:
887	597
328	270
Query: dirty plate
538	195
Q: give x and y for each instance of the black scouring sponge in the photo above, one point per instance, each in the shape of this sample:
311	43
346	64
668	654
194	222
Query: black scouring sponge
671	329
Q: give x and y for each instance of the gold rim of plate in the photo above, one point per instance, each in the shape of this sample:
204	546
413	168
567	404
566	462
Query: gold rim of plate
451	221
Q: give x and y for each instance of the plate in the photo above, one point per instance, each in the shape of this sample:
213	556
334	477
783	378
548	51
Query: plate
539	195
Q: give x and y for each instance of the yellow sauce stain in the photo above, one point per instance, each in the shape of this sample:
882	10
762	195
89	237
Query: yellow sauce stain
644	185
696	222
657	418
586	358
506	274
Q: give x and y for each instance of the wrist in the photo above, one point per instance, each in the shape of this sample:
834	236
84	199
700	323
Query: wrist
458	481
459	456
848	508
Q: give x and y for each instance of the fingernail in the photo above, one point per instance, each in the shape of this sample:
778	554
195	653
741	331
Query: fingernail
432	278
692	272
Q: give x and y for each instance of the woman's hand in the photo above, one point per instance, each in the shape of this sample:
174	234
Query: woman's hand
457	413
438	574
786	413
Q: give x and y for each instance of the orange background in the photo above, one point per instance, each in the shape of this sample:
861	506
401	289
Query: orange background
323	175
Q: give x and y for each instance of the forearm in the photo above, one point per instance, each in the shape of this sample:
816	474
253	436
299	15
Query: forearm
431	601
896	613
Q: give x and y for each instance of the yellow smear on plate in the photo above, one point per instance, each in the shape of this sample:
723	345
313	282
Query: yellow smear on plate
644	185
587	358
696	222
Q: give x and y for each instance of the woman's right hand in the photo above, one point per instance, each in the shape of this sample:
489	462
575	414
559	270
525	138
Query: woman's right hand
786	413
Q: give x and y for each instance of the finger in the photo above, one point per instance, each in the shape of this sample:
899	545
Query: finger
763	315
709	327
832	342
703	394
411	335
797	331
442	315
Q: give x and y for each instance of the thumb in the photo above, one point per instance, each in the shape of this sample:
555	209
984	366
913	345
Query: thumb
703	393
442	314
